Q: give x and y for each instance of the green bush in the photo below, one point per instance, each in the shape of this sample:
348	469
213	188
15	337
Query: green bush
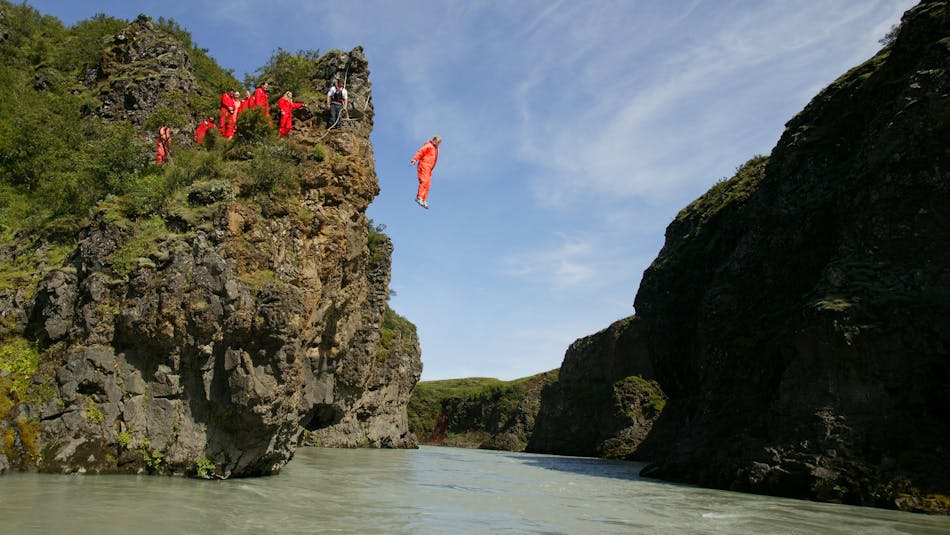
291	72
18	363
123	440
214	140
271	169
319	153
253	125
204	467
147	194
94	413
397	334
85	39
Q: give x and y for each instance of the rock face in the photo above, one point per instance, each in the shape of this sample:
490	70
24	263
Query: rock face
141	68
798	316
605	409
372	386
208	340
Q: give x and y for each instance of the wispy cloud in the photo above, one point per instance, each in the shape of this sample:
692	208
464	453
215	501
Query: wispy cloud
643	122
566	263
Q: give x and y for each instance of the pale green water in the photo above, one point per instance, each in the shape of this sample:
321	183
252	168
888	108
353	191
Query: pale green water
430	490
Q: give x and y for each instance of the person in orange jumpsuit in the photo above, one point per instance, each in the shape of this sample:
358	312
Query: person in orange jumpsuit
164	148
236	95
260	98
426	157
286	105
247	102
207	124
226	122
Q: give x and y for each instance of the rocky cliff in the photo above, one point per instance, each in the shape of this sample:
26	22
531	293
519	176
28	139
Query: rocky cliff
797	318
209	335
140	69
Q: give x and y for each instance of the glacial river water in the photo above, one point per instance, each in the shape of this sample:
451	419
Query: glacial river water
430	490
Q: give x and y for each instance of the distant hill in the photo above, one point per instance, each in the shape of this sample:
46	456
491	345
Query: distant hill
477	412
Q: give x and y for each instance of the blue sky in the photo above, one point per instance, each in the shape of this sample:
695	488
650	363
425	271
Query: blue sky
574	131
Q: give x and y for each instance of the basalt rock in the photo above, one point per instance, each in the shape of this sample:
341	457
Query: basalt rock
142	68
603	410
372	386
798	315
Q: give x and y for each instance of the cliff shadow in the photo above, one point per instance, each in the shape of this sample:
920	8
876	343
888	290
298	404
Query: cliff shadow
588	466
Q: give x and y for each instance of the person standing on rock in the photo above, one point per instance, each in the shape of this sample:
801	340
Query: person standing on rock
207	124
164	148
337	100
286	107
226	121
426	157
260	98
236	95
246	102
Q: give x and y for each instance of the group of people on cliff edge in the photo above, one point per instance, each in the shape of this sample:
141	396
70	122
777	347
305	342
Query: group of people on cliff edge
232	105
337	101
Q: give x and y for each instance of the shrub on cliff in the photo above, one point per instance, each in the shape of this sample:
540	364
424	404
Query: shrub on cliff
397	335
254	126
292	72
18	435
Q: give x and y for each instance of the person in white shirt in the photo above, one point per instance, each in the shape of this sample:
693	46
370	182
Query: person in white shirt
336	103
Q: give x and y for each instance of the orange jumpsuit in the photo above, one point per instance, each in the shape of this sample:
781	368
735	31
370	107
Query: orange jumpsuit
243	105
426	157
226	121
247	102
202	129
260	99
163	149
286	108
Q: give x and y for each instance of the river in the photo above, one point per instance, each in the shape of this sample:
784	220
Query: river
430	490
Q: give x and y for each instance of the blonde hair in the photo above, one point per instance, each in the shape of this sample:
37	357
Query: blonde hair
289	94
437	139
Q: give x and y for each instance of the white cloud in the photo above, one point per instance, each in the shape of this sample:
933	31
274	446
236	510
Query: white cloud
566	263
658	119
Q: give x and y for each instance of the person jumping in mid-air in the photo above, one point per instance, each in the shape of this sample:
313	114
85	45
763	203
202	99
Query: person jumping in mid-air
426	157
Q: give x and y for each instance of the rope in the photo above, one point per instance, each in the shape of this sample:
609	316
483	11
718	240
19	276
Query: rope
339	117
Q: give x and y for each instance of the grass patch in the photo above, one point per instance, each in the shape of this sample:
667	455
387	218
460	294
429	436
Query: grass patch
146	233
19	360
629	390
259	279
